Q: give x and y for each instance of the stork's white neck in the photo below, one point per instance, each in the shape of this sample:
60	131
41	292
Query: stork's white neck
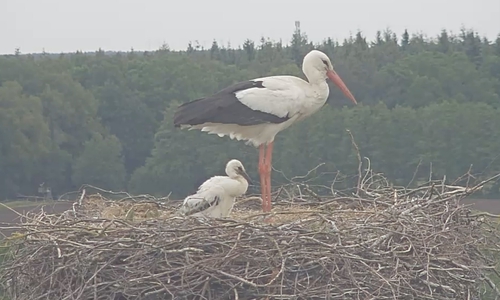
314	76
240	188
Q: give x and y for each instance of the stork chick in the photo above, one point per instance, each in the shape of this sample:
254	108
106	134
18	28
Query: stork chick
215	197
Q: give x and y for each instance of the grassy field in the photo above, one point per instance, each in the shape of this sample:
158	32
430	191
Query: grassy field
10	211
488	205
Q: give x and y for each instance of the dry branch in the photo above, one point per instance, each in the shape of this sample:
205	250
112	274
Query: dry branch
393	243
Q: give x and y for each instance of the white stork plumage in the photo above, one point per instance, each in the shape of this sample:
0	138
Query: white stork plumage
256	110
215	197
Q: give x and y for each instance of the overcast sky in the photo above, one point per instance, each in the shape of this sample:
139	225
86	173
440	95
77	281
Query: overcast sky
70	25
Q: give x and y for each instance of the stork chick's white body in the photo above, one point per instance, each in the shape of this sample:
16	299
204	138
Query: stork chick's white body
215	197
256	110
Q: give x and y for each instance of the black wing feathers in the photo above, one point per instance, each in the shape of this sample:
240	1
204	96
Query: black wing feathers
203	205
223	107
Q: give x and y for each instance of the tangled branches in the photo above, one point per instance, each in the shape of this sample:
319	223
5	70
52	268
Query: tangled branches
393	243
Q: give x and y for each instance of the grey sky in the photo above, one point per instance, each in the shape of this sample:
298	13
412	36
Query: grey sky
70	25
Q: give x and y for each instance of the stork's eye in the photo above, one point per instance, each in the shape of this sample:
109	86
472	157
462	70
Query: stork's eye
325	62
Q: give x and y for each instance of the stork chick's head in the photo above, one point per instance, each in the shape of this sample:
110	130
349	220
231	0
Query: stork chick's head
235	169
317	67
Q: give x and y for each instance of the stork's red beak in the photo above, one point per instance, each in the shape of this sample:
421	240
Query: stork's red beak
338	81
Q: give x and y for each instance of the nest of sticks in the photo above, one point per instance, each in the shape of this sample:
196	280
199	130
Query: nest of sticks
376	242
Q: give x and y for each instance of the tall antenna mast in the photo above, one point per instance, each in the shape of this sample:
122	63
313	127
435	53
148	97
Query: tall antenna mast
297	27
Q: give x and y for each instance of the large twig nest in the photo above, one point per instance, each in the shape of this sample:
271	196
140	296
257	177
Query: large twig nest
393	244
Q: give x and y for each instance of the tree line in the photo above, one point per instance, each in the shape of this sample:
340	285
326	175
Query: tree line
427	105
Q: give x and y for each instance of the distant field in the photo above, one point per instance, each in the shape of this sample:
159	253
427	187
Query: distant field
9	216
489	205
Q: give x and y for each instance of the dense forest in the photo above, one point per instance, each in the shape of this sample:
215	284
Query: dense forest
106	118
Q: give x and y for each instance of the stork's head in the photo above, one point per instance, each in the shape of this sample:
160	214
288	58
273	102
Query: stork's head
317	66
235	168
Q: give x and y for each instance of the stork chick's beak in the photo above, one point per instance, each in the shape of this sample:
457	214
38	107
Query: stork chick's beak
338	81
245	175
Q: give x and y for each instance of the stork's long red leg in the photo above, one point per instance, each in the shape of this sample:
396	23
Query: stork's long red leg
262	173
268	159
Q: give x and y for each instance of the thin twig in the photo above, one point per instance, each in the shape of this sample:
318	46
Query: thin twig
360	162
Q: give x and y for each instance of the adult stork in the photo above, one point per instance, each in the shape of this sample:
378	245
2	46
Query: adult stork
256	110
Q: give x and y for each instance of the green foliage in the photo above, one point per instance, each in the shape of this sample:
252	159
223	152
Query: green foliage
106	118
101	163
24	137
